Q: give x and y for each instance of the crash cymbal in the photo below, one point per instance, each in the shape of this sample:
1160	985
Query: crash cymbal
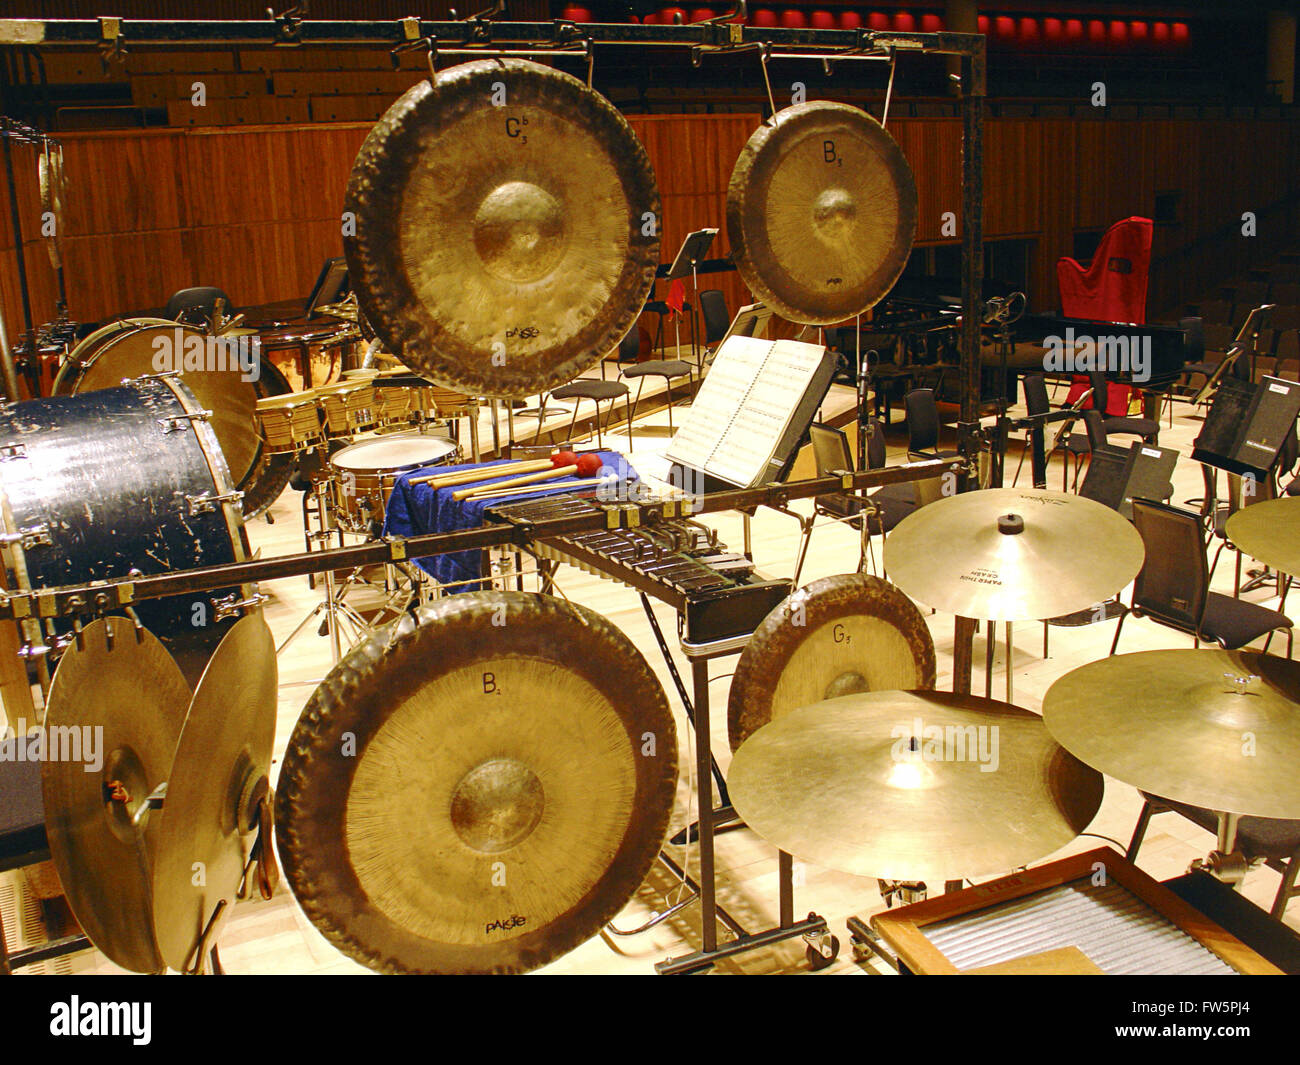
501	250
1269	531
479	792
1013	554
821	212
118	691
912	786
836	636
218	779
1217	729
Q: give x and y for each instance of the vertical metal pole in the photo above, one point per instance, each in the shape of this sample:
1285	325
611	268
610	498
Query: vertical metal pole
18	237
785	867
704	789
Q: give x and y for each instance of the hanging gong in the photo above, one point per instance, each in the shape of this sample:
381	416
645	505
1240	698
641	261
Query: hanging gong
118	696
506	228
53	186
478	791
837	636
821	212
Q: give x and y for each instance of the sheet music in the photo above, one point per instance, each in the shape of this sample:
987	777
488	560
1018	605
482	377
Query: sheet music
744	407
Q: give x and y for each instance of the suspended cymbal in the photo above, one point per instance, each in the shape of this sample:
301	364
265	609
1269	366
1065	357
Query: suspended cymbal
1188	725
127	698
49	166
218	778
501	250
479	792
896	785
836	636
1269	531
1013	554
821	212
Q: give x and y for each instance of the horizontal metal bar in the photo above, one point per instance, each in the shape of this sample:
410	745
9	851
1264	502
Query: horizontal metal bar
106	596
479	33
704	959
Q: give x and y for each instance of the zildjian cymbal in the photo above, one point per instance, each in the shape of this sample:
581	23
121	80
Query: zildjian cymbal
218	780
118	688
1013	554
1216	729
821	212
913	786
479	791
836	636
506	228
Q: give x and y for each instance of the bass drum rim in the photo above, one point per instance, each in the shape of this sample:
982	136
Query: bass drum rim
315	782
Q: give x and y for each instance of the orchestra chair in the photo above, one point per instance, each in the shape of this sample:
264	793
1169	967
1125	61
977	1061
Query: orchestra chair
1173	586
1070	443
876	512
1036	404
668	369
1274	841
196	304
921	413
717	320
597	392
1146	428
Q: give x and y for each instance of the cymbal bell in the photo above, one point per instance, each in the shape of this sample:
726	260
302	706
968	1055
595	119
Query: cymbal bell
913	786
116	688
1213	728
1013	554
821	212
218	778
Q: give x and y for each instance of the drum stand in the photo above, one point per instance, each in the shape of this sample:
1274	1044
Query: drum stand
335	609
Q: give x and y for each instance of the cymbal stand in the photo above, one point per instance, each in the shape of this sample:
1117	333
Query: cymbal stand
335	609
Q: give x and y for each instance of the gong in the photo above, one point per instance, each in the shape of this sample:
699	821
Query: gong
840	635
478	790
821	212
506	228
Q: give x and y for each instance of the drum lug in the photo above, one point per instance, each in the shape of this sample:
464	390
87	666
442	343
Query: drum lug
36	536
231	605
13	451
206	504
177	421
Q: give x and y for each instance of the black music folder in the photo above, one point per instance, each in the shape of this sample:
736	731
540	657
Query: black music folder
1116	477
692	251
1247	424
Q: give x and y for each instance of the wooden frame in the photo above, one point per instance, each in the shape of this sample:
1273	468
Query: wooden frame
903	929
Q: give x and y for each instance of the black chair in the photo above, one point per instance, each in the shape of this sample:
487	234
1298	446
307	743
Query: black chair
922	414
717	320
1036	403
1173	586
1146	428
1274	841
1194	351
668	369
196	304
597	392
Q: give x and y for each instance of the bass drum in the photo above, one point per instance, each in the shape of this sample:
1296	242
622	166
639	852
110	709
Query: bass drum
479	788
120	481
127	349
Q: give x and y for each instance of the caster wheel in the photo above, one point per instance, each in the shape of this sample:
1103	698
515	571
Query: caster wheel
817	960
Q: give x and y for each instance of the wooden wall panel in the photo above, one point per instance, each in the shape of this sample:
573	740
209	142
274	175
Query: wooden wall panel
256	209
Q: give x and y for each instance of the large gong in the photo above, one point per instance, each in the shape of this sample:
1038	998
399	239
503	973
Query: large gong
821	212
837	636
506	228
478	792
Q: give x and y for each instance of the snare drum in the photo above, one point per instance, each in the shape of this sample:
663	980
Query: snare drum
290	423
364	474
349	407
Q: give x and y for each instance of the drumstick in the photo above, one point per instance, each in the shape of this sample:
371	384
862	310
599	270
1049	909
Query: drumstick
532	478
446	480
572	486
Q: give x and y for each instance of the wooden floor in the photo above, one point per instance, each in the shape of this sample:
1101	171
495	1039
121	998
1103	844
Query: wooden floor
274	937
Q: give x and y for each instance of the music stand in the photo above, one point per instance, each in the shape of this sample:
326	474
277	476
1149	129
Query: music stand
1245	340
689	255
331	285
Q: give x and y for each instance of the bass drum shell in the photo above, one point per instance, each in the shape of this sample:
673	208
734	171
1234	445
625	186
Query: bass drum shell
95	487
125	349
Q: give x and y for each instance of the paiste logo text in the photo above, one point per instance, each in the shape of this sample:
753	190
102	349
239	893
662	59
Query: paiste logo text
183	352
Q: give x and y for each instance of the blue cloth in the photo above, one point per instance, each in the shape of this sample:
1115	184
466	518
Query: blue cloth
416	509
